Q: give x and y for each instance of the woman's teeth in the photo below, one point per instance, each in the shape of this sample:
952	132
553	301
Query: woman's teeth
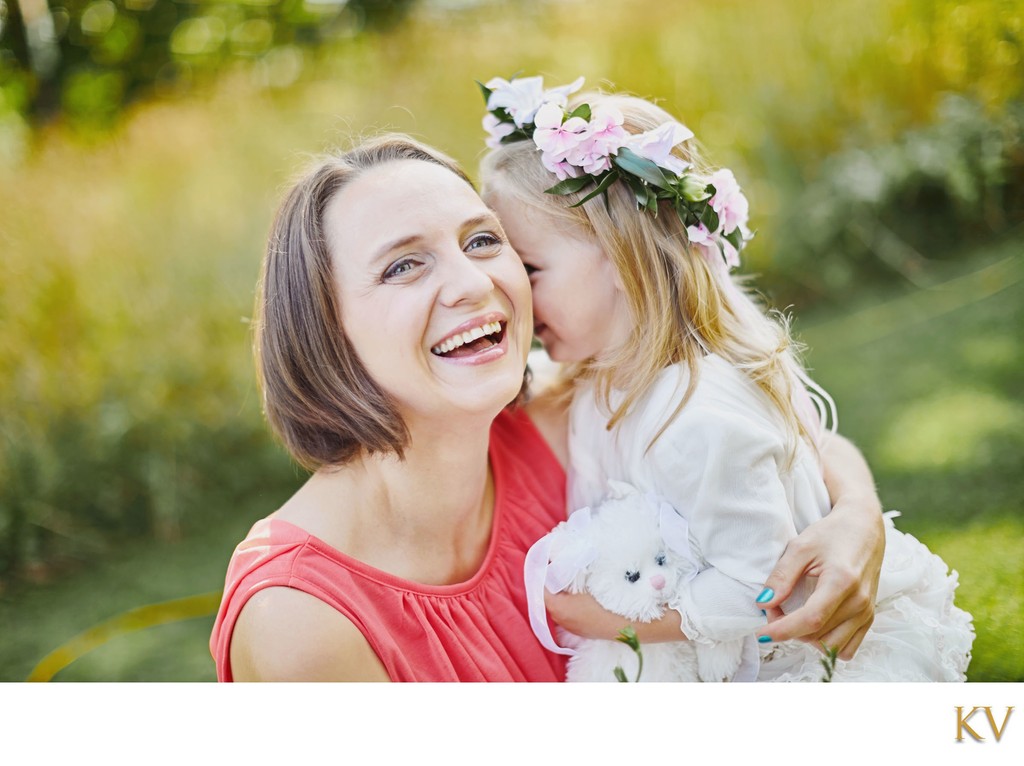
467	337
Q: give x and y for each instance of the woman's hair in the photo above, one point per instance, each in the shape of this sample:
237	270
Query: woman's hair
682	305
317	395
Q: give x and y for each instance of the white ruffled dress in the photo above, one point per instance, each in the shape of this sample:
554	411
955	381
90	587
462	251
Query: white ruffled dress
722	463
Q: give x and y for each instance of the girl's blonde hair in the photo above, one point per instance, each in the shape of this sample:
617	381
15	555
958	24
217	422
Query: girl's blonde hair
683	307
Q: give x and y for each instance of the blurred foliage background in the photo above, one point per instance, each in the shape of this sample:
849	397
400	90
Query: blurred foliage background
144	145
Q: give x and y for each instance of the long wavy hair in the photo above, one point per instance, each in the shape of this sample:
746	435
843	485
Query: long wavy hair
682	305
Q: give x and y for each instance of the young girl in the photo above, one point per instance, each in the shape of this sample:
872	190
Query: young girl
679	384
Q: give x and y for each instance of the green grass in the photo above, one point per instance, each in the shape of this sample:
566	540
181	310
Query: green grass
929	386
38	619
927	383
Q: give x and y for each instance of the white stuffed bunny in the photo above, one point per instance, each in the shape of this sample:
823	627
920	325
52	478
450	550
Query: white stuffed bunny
631	553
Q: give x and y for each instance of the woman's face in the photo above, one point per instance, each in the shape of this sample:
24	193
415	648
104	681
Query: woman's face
433	298
579	312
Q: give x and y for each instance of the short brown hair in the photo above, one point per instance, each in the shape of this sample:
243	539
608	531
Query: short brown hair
317	396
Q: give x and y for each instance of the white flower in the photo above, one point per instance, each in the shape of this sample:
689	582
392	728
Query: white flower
496	130
523	96
656	145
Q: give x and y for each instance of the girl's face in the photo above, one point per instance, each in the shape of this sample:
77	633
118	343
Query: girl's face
433	298
579	310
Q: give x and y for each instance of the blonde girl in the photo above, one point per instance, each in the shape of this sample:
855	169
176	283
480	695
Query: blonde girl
681	385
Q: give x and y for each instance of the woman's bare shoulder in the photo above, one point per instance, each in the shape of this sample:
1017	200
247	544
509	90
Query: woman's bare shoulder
284	634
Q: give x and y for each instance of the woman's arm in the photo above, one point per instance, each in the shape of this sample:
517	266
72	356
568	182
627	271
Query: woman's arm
283	634
844	551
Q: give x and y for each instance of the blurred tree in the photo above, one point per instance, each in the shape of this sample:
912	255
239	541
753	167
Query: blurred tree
86	59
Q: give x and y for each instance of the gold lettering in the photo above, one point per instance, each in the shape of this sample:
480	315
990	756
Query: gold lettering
961	724
992	721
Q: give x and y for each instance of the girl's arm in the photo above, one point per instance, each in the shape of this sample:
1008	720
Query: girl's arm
843	550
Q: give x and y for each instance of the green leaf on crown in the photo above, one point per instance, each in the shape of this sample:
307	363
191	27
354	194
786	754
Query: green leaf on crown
735	238
606	180
640	190
569	185
634	164
582	111
485	90
709	218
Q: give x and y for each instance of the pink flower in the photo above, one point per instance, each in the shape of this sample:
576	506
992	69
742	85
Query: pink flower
496	130
656	145
561	168
712	247
604	137
606	131
554	137
730	204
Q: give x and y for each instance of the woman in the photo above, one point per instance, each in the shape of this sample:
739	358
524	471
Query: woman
394	326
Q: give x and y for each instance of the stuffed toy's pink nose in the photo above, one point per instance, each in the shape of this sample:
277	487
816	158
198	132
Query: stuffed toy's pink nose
658	582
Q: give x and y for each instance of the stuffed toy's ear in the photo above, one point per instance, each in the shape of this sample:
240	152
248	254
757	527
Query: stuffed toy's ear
571	552
674	530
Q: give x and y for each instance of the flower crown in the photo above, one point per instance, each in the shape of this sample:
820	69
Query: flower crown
590	146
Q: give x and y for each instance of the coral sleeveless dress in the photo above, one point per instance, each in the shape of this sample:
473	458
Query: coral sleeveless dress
477	630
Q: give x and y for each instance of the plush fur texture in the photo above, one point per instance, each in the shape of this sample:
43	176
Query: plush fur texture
624	561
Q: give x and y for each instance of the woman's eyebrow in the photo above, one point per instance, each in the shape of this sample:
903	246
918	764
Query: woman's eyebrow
386	250
477	220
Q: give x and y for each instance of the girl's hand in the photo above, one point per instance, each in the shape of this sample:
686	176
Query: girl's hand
844	551
579	613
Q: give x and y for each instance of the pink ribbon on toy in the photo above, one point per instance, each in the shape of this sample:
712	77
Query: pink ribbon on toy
539	572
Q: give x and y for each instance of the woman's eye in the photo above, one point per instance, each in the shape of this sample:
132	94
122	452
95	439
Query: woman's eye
632	576
660	559
399	267
481	241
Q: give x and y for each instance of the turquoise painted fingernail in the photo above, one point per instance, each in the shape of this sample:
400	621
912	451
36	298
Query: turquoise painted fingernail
766	595
764	639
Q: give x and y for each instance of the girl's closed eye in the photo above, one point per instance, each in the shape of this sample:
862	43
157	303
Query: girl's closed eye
530	268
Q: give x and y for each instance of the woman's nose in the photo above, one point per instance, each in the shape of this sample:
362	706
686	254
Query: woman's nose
464	281
658	582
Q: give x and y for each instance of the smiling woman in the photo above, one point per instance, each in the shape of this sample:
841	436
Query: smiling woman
394	326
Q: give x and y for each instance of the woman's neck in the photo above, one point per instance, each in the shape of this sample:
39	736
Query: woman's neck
426	518
439	486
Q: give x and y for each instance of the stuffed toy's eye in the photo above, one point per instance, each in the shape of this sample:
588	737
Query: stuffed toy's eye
660	559
632	576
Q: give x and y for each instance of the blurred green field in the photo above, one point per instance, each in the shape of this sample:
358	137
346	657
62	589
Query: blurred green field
928	385
132	451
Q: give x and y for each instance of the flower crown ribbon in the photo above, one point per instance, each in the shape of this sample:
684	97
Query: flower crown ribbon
588	146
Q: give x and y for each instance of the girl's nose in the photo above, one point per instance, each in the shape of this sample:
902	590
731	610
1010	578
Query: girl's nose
658	582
